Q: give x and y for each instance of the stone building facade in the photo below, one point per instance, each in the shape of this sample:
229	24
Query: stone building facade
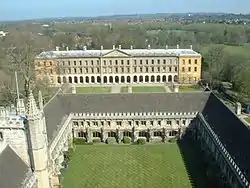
119	66
156	117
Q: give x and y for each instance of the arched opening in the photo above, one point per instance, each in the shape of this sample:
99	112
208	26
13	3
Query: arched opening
169	78
128	79
81	79
127	133
70	79
135	78
59	80
175	78
111	79
105	80
141	79
122	79
117	79
164	78
158	78
112	134
87	79
64	80
98	79
144	134
147	79
92	79
152	78
75	80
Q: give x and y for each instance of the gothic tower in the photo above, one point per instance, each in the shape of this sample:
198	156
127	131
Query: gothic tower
38	142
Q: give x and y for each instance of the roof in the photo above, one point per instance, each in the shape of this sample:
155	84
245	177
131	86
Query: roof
130	52
12	169
231	131
64	104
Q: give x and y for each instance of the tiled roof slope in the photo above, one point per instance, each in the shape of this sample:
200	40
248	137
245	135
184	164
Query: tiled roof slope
12	169
141	102
234	135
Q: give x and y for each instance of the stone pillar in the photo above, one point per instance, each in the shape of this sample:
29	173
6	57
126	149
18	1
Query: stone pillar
176	88
73	90
105	135
89	135
121	136
150	134
238	109
129	89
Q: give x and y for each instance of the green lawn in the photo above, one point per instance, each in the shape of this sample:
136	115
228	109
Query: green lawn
93	90
133	166
188	88
148	89
248	120
124	89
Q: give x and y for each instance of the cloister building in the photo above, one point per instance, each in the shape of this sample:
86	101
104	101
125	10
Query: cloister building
119	66
33	139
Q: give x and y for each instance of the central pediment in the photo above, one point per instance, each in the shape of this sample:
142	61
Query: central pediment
116	53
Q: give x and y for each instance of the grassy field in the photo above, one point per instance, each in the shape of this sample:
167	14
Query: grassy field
124	89
107	166
188	88
93	90
148	89
248	120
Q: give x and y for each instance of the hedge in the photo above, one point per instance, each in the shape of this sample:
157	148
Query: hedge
141	141
96	140
111	140
126	140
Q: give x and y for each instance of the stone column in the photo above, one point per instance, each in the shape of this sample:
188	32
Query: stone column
89	135
121	136
105	135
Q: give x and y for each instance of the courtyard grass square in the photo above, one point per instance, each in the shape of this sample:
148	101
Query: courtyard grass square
126	166
247	119
148	89
93	90
124	89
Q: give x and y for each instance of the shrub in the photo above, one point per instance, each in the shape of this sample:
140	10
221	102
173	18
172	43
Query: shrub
141	141
111	140
156	140
126	140
96	140
172	140
79	141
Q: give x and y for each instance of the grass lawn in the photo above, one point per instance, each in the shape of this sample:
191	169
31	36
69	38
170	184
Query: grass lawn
93	90
148	89
124	89
133	166
248	120
189	88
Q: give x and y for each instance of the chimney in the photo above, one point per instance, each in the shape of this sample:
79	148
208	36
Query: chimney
166	47
57	48
131	47
67	48
177	46
73	90
101	47
191	47
113	47
149	47
120	47
238	109
84	48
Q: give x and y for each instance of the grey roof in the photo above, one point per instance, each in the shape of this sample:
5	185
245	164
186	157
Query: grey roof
129	52
62	105
232	132
12	169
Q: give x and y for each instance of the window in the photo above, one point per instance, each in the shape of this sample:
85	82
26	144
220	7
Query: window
86	62
141	61
80	63
184	122
158	69
177	122
130	123
122	62
183	61
69	63
122	70
153	61
158	133
151	122
119	123
195	69
159	122
158	61
110	62
108	122
127	62
135	62
137	122
147	62
146	69
140	69
195	61
116	70
183	69
116	62
88	123
75	70
175	69
170	61
153	69
189	69
164	61
50	63
189	61
95	123
143	123
104	62
128	69
92	62
75	63
134	69
1	136
169	122
170	69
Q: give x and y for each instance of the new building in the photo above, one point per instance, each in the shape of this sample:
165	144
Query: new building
119	66
33	139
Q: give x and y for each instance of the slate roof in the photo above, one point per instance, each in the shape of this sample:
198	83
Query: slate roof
141	102
130	52
231	131
12	169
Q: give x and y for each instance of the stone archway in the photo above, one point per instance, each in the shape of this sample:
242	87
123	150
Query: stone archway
170	78
128	79
105	79
152	78
141	79
87	79
99	79
164	78
92	79
135	79
122	79
59	80
175	78
117	79
111	79
64	80
81	79
146	79
158	78
75	80
70	79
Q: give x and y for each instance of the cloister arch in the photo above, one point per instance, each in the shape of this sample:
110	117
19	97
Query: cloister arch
176	78
164	78
116	79
135	79
111	79
59	80
64	80
105	79
152	78
122	79
70	79
128	79
158	79
75	80
99	79
170	78
92	79
81	79
87	79
141	79
147	78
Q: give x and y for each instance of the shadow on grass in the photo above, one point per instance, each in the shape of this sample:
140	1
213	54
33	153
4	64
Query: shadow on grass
194	162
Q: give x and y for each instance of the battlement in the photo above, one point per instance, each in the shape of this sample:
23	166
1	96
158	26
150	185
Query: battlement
9	118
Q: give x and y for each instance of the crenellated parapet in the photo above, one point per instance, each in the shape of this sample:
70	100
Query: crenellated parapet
134	115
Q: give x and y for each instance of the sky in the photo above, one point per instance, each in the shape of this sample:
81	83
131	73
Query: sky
31	9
